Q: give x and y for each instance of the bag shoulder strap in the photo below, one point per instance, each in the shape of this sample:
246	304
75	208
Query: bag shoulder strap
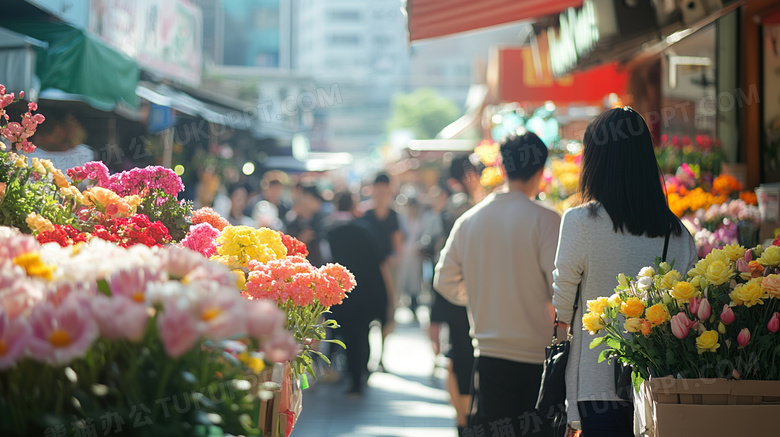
573	315
666	244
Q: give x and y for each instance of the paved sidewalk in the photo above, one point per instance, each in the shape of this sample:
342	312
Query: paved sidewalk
407	401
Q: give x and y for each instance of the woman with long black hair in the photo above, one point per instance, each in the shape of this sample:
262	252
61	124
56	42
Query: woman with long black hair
619	228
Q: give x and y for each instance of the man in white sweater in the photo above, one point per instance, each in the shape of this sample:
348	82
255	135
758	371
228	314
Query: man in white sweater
498	261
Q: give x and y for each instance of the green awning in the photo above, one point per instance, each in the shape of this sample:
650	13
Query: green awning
77	62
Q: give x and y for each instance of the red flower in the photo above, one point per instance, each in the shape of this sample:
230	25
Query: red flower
294	246
63	235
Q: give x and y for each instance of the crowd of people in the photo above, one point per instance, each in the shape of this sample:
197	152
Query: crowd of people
493	267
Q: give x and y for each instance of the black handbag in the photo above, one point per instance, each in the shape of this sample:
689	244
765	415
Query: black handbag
624	385
551	402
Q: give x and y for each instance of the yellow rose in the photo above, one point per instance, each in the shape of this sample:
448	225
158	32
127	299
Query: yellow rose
647	272
592	322
597	306
657	314
614	301
771	286
670	279
718	272
770	257
717	255
633	324
633	307
734	251
749	293
663	268
699	269
707	341
684	291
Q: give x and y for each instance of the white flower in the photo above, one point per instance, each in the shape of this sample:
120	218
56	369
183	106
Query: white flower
648	272
644	282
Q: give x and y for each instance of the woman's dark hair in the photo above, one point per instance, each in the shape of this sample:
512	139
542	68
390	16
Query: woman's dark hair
620	172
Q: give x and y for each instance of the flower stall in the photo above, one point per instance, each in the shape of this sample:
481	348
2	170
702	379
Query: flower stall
123	309
703	344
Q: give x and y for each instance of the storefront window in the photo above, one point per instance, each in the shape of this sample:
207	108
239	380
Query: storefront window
689	84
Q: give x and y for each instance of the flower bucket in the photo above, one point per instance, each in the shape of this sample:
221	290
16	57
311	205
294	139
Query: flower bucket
685	407
279	411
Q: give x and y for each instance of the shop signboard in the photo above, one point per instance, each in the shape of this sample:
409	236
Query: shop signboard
164	37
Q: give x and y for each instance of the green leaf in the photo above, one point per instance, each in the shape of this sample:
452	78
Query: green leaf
338	342
606	353
597	342
103	287
321	355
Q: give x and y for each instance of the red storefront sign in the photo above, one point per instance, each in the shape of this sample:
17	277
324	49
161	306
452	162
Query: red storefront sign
525	81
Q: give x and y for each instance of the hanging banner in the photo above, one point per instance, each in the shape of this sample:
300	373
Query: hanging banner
165	37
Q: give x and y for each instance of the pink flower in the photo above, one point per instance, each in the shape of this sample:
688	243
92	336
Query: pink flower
694	305
774	323
93	171
727	315
201	239
744	337
742	265
704	310
17	244
681	324
14	335
131	282
263	318
60	335
749	255
221	315
178	329
280	347
119	317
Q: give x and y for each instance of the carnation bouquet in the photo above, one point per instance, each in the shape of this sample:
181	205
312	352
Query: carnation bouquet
152	341
719	321
270	265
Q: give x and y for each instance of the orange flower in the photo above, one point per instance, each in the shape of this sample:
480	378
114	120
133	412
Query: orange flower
725	185
647	327
749	197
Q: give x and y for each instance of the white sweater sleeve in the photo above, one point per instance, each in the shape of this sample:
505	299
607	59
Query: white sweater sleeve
569	264
448	280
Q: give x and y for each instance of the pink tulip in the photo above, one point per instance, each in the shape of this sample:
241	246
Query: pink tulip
774	323
119	317
14	335
178	328
744	337
680	325
704	311
220	315
749	255
263	318
694	305
742	265
131	282
727	315
60	335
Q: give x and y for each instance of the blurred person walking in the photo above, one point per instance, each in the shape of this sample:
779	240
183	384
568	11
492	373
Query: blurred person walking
352	243
409	274
308	222
464	179
620	228
384	220
498	260
272	209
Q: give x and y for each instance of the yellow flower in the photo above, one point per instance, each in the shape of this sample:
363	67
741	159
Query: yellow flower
597	306
38	223
749	293
707	341
32	264
734	251
592	322
491	177
718	273
633	324
771	286
255	364
648	272
240	279
721	328
684	291
38	167
770	257
699	269
670	279
657	314
615	301
622	281
73	193
717	255
245	244
664	267
633	307
20	161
